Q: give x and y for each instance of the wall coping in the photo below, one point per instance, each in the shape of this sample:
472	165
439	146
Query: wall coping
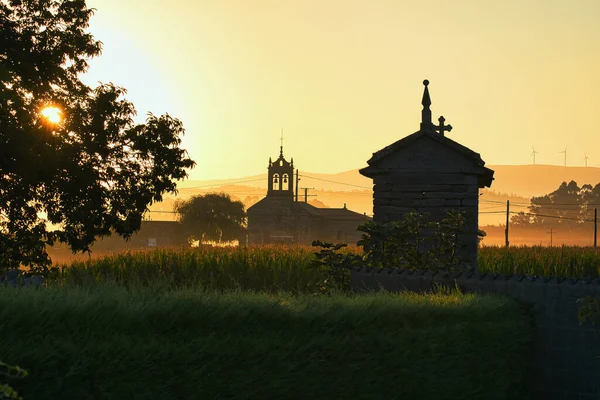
474	277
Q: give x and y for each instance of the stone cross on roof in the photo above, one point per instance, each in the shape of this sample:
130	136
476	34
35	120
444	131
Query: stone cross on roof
426	124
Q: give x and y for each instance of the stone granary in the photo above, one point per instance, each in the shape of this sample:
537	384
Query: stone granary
281	218
427	172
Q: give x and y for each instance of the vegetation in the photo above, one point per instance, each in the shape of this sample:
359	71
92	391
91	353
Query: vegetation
212	217
6	391
264	268
568	205
148	343
87	170
568	262
293	268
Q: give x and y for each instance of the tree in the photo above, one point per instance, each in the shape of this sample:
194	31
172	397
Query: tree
211	217
563	206
91	170
521	219
590	199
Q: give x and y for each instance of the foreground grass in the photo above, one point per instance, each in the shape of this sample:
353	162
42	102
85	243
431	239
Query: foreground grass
146	343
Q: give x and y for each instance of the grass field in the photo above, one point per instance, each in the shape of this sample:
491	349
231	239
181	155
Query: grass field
147	343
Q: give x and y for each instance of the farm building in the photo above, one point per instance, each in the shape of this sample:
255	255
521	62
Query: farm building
151	234
427	172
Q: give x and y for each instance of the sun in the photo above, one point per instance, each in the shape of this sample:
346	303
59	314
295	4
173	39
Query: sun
52	114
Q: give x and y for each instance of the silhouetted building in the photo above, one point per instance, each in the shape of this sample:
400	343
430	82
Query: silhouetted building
427	172
280	218
151	234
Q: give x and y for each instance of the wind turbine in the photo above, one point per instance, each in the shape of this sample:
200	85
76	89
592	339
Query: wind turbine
533	153
586	158
565	151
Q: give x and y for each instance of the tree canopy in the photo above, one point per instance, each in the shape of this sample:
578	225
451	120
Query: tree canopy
212	217
90	173
567	205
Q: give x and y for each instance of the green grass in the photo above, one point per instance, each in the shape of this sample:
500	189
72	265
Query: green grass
108	342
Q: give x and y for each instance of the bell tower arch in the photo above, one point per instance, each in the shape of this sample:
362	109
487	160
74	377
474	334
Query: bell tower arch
281	176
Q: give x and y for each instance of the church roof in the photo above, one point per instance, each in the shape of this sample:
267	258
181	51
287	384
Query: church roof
269	205
328	212
309	208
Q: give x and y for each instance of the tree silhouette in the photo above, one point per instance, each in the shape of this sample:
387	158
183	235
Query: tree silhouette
212	217
93	171
521	218
567	205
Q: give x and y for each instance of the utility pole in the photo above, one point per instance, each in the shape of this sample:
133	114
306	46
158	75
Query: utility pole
297	180
595	226
306	195
551	236
506	230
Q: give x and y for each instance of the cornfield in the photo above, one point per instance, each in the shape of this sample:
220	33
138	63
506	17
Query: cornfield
565	261
272	268
275	268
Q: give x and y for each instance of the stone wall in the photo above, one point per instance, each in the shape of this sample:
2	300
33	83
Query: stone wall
398	193
566	363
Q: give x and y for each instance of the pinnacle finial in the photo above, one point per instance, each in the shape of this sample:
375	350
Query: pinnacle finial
426	123
426	99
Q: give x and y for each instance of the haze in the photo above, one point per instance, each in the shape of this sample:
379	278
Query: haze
344	78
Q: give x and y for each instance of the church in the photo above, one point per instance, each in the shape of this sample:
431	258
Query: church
281	218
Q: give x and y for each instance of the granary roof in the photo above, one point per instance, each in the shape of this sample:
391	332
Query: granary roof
433	132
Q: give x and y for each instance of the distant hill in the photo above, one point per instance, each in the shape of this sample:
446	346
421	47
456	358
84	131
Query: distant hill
516	180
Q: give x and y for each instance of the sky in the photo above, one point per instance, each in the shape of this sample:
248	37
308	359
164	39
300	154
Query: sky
343	78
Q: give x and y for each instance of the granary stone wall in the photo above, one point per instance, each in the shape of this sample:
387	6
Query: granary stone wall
426	172
566	364
396	194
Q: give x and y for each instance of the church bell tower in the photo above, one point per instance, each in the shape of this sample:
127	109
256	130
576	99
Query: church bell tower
281	176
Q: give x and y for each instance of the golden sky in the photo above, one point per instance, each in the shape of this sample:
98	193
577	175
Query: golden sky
343	78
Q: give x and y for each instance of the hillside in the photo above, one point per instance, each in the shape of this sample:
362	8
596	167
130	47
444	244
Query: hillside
517	183
518	180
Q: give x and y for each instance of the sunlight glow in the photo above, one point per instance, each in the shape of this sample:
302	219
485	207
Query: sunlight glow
52	114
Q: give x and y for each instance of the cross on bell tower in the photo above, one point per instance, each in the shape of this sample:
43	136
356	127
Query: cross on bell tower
426	124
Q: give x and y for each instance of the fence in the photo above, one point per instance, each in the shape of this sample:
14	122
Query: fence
566	363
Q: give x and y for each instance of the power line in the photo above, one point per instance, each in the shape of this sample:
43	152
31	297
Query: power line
340	183
553	216
543	205
222	184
